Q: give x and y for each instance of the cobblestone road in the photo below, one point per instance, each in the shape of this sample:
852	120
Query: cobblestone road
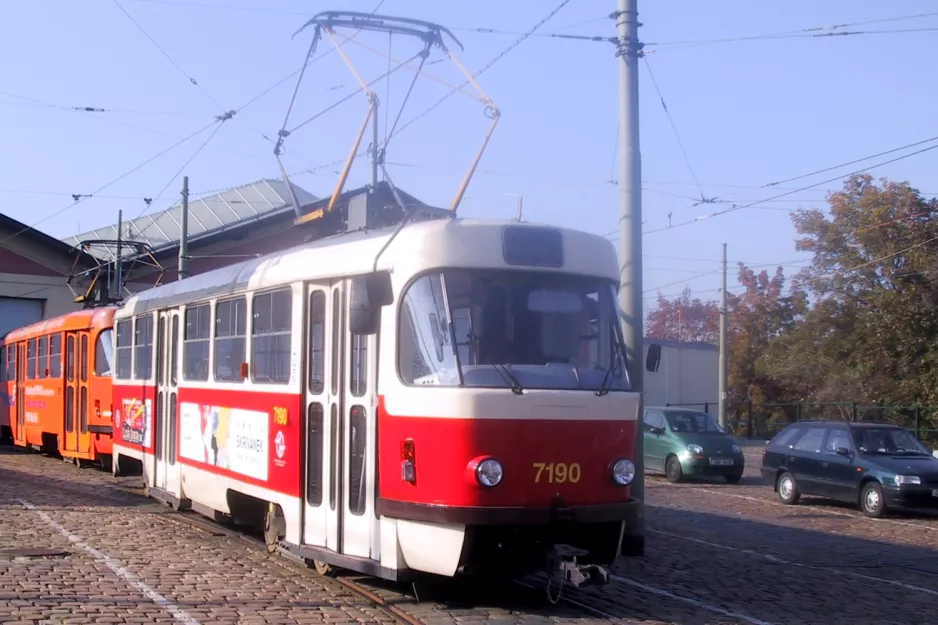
716	555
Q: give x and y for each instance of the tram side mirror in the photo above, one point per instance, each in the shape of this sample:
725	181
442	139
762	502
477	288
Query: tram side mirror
653	359
368	294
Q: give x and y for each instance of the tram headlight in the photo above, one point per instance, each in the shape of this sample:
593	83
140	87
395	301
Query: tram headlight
489	472
623	472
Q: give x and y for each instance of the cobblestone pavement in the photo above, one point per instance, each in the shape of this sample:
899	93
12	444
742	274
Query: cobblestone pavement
716	555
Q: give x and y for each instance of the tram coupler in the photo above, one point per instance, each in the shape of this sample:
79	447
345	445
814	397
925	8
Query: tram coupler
581	575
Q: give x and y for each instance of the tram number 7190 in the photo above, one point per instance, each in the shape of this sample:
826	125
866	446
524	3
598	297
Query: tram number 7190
557	472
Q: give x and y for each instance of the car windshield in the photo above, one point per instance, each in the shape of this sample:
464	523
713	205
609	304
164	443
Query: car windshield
510	328
891	441
692	422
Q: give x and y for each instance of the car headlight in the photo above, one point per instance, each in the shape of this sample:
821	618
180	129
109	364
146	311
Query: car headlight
908	479
737	450
695	449
623	472
489	473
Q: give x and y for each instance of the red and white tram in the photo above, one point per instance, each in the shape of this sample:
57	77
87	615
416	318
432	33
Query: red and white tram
443	397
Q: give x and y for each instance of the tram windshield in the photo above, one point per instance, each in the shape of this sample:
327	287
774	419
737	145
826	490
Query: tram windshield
512	329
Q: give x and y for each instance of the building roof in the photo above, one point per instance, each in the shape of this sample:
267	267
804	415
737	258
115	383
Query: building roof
38	237
207	216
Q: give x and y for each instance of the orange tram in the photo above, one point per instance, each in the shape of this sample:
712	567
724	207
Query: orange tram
55	386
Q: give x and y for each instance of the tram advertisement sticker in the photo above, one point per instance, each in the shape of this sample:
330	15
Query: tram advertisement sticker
228	438
135	428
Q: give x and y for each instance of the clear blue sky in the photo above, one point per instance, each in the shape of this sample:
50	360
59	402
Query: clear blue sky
748	112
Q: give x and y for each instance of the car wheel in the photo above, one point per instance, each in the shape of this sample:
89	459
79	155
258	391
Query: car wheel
872	502
787	489
734	478
673	470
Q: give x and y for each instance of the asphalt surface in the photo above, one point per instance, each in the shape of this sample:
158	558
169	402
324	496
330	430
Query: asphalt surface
716	554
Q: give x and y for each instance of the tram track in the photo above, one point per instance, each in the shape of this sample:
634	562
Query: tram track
536	596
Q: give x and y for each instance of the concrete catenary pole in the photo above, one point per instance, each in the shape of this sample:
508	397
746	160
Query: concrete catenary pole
628	50
722	384
182	265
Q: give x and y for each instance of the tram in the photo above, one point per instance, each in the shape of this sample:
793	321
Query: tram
56	381
446	397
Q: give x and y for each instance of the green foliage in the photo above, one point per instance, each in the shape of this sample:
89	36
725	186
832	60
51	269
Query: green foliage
858	324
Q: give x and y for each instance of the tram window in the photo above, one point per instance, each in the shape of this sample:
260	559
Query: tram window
357	481
196	339
55	356
83	368
31	360
314	440
124	350
104	354
11	362
43	358
83	409
70	357
426	355
143	347
3	364
272	337
230	324
317	342
358	364
336	325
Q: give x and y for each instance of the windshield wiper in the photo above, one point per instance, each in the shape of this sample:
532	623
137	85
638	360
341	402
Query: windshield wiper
516	387
610	373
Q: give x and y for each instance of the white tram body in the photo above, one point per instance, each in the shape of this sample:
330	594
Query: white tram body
431	398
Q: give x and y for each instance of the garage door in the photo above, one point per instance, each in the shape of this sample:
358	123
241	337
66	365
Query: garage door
15	313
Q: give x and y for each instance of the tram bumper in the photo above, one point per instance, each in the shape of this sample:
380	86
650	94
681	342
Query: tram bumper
521	540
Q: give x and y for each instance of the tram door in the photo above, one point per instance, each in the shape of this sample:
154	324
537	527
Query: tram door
167	380
83	438
19	432
72	391
359	400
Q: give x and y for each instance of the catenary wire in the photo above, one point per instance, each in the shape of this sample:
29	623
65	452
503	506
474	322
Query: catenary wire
114	181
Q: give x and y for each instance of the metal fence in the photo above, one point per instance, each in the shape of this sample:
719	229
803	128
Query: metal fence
763	421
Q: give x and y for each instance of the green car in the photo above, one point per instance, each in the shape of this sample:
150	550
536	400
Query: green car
683	442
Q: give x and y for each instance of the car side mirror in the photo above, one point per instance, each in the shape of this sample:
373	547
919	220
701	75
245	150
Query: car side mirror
842	451
655	430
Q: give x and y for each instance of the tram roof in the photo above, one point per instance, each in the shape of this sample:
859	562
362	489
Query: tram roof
419	245
84	319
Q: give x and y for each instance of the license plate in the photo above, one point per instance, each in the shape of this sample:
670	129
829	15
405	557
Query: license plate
721	462
934	492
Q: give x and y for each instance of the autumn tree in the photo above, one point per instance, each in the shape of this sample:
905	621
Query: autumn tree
871	334
684	319
758	316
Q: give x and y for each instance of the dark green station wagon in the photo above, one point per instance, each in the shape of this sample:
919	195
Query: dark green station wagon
683	442
875	466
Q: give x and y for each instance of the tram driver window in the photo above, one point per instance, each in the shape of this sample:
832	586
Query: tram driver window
426	351
510	327
104	354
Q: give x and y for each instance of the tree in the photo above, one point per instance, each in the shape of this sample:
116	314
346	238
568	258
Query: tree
758	317
870	337
684	319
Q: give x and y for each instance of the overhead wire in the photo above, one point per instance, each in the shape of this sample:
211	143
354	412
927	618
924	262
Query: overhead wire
677	135
805	188
174	177
91	113
112	182
223	112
